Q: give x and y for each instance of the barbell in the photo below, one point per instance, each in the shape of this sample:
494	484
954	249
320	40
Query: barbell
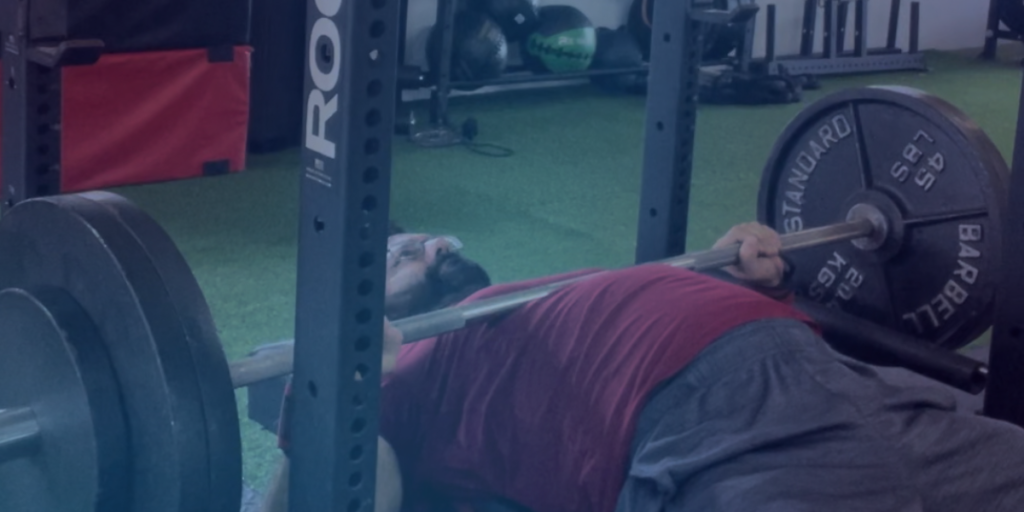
115	391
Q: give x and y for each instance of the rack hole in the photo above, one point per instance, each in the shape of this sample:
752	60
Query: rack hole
369	203
326	53
363	371
667	37
356	453
660	126
311	386
365	287
377	29
362	343
318	224
355	479
358	425
363	316
374	88
373	118
654	212
370	175
366	259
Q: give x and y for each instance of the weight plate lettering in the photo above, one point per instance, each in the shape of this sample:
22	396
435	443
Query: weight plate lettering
936	176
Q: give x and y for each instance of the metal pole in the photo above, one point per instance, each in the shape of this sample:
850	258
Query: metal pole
669	131
915	26
894	24
31	144
351	65
446	11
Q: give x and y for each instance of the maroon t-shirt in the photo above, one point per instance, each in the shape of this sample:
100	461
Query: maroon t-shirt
539	406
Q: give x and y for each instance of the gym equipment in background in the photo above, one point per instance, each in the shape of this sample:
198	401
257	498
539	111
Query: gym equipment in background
563	41
479	49
1003	13
719	40
617	49
834	58
517	18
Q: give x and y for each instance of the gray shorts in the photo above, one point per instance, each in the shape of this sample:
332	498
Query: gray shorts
769	418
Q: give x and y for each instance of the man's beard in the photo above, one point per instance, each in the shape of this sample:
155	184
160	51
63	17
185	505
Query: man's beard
449	281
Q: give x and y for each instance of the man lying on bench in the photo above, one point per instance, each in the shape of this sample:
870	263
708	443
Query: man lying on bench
660	389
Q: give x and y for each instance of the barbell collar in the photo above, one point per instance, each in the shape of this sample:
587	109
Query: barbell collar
19	433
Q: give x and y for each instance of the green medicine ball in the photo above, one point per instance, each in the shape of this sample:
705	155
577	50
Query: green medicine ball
564	41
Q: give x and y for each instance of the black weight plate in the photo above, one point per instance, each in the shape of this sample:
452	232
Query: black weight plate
73	244
55	363
932	171
224	439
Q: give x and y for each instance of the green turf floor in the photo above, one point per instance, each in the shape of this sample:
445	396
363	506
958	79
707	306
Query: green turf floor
567	199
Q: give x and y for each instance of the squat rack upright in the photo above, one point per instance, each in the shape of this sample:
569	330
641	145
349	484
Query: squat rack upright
345	202
352	58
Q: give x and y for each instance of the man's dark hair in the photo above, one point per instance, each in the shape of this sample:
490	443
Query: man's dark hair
451	280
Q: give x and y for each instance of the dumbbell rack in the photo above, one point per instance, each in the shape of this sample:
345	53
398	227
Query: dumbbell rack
834	59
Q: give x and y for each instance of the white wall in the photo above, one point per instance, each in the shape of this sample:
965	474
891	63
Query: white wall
945	24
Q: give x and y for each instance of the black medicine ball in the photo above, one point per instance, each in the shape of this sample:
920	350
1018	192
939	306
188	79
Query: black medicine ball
517	18
616	49
479	48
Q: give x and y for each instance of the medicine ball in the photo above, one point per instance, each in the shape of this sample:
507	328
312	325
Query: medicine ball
564	41
616	49
517	18
479	48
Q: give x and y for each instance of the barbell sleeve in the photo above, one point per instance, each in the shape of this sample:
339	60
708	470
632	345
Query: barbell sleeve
276	363
870	342
19	432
